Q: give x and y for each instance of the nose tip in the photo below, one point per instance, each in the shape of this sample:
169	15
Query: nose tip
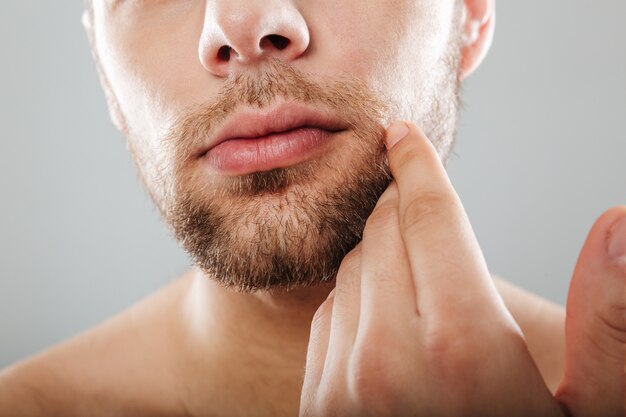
249	36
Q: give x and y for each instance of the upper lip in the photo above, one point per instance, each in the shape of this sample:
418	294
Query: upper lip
254	123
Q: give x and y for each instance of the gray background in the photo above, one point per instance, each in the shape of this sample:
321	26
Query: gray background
540	155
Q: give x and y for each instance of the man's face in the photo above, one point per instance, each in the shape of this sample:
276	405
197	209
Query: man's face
178	71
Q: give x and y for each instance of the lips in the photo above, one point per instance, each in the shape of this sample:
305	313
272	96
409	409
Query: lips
284	135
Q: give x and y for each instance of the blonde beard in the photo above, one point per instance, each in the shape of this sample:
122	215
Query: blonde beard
289	227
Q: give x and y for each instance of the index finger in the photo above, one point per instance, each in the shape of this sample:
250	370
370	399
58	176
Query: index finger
447	264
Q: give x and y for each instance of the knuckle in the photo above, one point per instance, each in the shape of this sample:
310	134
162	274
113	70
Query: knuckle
423	209
402	156
321	316
619	265
446	350
351	263
320	400
379	360
453	350
330	397
613	317
410	152
370	372
381	219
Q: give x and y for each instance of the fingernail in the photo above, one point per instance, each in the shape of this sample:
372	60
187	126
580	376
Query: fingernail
396	132
617	240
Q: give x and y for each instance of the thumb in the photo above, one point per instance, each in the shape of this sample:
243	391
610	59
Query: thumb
595	344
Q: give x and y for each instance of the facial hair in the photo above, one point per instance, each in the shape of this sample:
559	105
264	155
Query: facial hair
287	227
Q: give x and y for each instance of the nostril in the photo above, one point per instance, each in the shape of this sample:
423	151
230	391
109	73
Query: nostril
223	54
279	42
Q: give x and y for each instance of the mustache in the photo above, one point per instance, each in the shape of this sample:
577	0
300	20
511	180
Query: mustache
345	96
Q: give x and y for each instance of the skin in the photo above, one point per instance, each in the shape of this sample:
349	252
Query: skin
449	339
392	302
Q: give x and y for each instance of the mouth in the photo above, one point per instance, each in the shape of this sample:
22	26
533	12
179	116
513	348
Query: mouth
284	135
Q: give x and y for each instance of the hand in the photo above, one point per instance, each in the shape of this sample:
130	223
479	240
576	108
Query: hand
415	326
594	384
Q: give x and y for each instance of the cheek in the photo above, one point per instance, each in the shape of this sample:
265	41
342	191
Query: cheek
150	60
397	47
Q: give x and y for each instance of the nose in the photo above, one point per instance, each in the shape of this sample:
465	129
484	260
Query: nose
240	33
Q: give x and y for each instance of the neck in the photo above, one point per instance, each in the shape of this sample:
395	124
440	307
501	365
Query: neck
263	335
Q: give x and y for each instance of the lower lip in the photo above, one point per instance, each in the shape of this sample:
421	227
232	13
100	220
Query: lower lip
242	156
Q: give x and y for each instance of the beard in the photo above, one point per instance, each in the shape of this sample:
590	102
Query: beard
287	227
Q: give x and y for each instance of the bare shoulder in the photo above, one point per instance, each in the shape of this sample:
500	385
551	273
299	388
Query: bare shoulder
543	324
108	366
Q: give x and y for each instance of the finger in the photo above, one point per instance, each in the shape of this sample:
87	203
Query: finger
388	299
345	316
447	264
595	347
318	345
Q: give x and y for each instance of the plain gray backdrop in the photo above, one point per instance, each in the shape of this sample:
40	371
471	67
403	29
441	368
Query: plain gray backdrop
540	156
